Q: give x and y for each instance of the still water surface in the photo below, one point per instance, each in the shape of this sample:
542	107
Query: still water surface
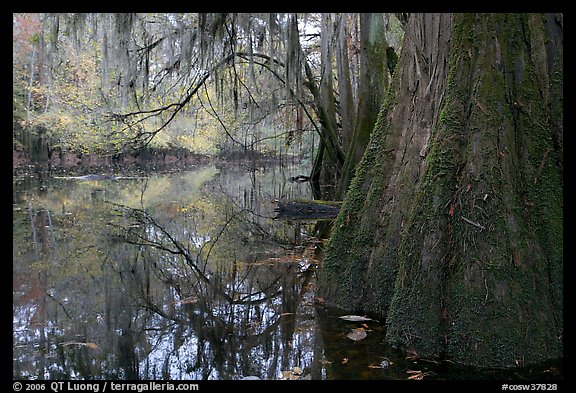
187	275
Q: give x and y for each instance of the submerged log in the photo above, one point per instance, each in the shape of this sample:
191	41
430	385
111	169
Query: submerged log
298	209
299	178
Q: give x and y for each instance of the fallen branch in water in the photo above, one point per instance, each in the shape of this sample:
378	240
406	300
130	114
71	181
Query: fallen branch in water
307	209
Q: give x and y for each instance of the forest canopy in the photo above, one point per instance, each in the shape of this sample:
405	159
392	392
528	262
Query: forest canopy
206	83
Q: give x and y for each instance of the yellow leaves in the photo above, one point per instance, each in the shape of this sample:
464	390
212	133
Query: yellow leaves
64	120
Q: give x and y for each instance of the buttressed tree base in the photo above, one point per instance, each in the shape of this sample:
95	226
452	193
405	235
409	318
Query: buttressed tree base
453	226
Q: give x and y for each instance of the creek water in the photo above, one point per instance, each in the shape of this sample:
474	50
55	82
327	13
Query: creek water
188	275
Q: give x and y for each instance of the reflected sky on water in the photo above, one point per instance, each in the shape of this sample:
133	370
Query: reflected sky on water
185	275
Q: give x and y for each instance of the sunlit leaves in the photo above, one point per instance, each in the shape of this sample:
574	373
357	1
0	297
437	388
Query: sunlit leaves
109	73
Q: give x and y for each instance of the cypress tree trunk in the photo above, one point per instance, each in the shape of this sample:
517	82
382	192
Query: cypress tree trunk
372	85
453	226
347	107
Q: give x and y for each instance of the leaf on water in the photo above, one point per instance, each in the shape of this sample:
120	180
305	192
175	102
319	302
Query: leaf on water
289	374
417	374
188	300
357	334
89	345
356	318
412	355
383	364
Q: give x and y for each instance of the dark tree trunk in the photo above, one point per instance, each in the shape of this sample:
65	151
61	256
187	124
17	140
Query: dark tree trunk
372	86
347	106
453	226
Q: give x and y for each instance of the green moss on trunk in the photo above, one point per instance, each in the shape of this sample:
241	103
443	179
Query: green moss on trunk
468	263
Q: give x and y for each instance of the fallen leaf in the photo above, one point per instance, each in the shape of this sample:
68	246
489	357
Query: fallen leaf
289	374
89	345
357	334
411	354
188	300
385	363
417	374
356	318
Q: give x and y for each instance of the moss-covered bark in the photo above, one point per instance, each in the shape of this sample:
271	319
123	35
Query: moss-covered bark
452	228
372	86
362	262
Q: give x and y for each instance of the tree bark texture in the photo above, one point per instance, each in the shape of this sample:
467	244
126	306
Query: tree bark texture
453	226
372	86
347	107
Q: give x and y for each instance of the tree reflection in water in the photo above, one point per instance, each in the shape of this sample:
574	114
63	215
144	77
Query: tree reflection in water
179	276
185	276
220	318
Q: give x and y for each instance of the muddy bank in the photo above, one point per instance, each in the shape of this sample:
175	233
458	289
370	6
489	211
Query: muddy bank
65	160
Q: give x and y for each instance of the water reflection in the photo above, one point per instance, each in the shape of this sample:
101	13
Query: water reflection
174	276
181	276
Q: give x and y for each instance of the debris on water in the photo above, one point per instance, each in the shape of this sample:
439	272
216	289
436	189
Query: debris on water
295	373
417	374
356	318
383	364
357	334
